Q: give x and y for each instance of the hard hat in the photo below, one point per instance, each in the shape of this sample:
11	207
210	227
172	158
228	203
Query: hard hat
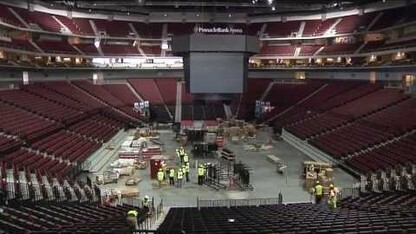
146	197
160	169
317	182
331	185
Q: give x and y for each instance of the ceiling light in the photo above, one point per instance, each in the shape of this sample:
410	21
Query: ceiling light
229	15
273	8
197	14
270	2
165	15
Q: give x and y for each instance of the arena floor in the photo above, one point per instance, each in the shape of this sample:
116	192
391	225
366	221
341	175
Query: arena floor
264	178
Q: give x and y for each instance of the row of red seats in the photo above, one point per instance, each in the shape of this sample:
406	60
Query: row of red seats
283	50
62	46
283	96
18	44
56	217
351	110
312	106
97	127
55	97
68	90
33	161
8	17
148	89
282	29
401	152
67	146
125	95
318	27
255	90
160	94
347	140
113	28
370	103
8	143
40	105
350	95
27	126
401	117
43	20
167	88
316	125
101	93
355	23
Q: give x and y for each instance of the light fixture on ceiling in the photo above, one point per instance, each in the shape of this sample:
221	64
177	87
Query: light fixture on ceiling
273	8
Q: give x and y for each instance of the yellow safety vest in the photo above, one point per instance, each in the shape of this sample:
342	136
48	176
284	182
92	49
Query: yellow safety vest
319	190
160	175
186	167
172	173
185	158
180	174
132	213
182	151
200	171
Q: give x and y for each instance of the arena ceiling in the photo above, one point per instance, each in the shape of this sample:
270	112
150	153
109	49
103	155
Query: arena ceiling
232	6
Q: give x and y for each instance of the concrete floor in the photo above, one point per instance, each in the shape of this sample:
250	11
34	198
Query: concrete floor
264	178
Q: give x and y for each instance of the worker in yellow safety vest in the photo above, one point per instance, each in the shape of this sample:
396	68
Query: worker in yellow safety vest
179	177
201	173
333	196
181	153
186	169
132	219
172	176
163	166
185	158
318	192
146	203
160	177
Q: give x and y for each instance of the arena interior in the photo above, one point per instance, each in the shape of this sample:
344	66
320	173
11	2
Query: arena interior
204	116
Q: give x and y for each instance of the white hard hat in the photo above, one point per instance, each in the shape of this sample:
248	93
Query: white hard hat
146	197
